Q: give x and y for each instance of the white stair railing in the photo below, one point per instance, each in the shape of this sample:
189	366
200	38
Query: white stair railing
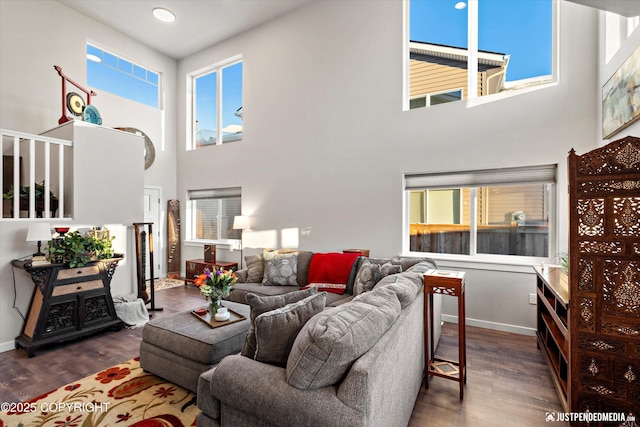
37	150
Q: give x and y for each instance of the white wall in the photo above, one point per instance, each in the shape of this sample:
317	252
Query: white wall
326	142
35	36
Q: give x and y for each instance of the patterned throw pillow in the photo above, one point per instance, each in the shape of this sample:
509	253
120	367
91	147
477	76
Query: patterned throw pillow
387	269
280	269
368	275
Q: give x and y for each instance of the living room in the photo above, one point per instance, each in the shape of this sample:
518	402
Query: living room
326	141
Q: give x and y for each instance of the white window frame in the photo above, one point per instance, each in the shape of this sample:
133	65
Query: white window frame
473	180
428	96
208	194
120	57
191	104
516	88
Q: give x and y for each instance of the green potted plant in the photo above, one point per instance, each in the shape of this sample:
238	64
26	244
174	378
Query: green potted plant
77	250
39	198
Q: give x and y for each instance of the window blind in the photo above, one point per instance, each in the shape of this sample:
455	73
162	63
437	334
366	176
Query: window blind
214	193
542	174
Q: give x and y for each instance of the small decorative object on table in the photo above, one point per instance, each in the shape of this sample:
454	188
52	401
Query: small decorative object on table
215	285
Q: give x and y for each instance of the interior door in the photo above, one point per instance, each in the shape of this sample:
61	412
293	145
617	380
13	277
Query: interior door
152	214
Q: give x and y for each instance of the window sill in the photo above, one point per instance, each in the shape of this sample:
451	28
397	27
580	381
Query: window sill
489	263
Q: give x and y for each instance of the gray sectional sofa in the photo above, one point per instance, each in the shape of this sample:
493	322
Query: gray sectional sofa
359	362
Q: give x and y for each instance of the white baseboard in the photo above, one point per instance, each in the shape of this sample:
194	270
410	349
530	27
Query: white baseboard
6	346
492	325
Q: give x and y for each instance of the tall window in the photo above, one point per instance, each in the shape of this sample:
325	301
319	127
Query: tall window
490	212
121	77
212	212
484	46
217	105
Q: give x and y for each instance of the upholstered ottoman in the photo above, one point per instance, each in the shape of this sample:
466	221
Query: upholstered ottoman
180	347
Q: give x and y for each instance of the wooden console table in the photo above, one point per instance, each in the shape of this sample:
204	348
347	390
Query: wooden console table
446	283
552	333
68	303
195	267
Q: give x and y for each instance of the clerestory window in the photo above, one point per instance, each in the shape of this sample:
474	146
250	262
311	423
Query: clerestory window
484	46
216	109
119	76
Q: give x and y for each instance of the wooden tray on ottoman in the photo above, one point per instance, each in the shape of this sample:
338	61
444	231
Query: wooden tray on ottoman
213	323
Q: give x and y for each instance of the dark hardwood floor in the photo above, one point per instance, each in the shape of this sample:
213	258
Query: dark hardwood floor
508	382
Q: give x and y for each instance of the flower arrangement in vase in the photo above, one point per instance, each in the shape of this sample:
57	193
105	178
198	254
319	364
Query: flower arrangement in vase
215	285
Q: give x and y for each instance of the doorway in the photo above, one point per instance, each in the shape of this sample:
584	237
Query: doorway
152	213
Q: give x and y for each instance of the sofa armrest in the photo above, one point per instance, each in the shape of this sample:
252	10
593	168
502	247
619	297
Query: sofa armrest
262	391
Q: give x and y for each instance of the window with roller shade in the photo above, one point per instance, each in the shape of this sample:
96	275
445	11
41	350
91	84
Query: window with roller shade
498	212
211	213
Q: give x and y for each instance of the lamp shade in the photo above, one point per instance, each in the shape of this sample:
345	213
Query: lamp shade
240	222
39	231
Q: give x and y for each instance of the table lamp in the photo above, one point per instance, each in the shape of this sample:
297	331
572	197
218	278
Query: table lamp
241	222
39	231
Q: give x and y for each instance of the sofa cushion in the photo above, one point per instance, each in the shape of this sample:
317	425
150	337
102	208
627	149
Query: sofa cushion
280	269
368	275
405	289
330	272
331	341
255	269
388	269
276	330
263	304
421	267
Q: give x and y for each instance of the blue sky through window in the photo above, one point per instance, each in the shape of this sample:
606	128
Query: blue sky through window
206	94
520	28
121	77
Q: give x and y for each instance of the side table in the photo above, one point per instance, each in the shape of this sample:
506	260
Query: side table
446	283
195	267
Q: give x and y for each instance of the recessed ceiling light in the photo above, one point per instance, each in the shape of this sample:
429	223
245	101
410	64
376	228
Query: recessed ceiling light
164	15
460	5
94	58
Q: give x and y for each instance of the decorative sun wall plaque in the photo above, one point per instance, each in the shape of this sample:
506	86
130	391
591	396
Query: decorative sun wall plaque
149	149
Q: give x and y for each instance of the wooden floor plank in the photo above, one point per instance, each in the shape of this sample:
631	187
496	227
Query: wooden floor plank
508	382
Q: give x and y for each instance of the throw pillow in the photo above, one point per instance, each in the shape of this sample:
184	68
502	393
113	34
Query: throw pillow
276	330
330	272
388	269
368	275
331	341
263	304
281	270
405	289
421	267
255	270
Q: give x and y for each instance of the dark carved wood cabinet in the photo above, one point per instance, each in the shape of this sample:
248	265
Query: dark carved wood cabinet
552	333
604	278
68	303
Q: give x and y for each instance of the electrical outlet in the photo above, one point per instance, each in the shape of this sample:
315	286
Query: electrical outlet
532	299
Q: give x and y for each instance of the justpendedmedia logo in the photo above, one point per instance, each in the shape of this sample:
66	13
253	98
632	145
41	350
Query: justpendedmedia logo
591	417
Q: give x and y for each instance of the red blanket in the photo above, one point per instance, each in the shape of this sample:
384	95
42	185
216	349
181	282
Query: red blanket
330	272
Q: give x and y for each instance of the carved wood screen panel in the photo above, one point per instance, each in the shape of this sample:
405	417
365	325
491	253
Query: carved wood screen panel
604	278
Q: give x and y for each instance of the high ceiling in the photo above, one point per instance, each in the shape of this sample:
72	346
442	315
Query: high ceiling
202	23
198	24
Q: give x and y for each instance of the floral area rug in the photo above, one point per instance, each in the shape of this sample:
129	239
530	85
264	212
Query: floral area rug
165	283
123	395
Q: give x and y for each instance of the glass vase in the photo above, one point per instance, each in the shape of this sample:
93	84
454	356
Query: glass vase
214	305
